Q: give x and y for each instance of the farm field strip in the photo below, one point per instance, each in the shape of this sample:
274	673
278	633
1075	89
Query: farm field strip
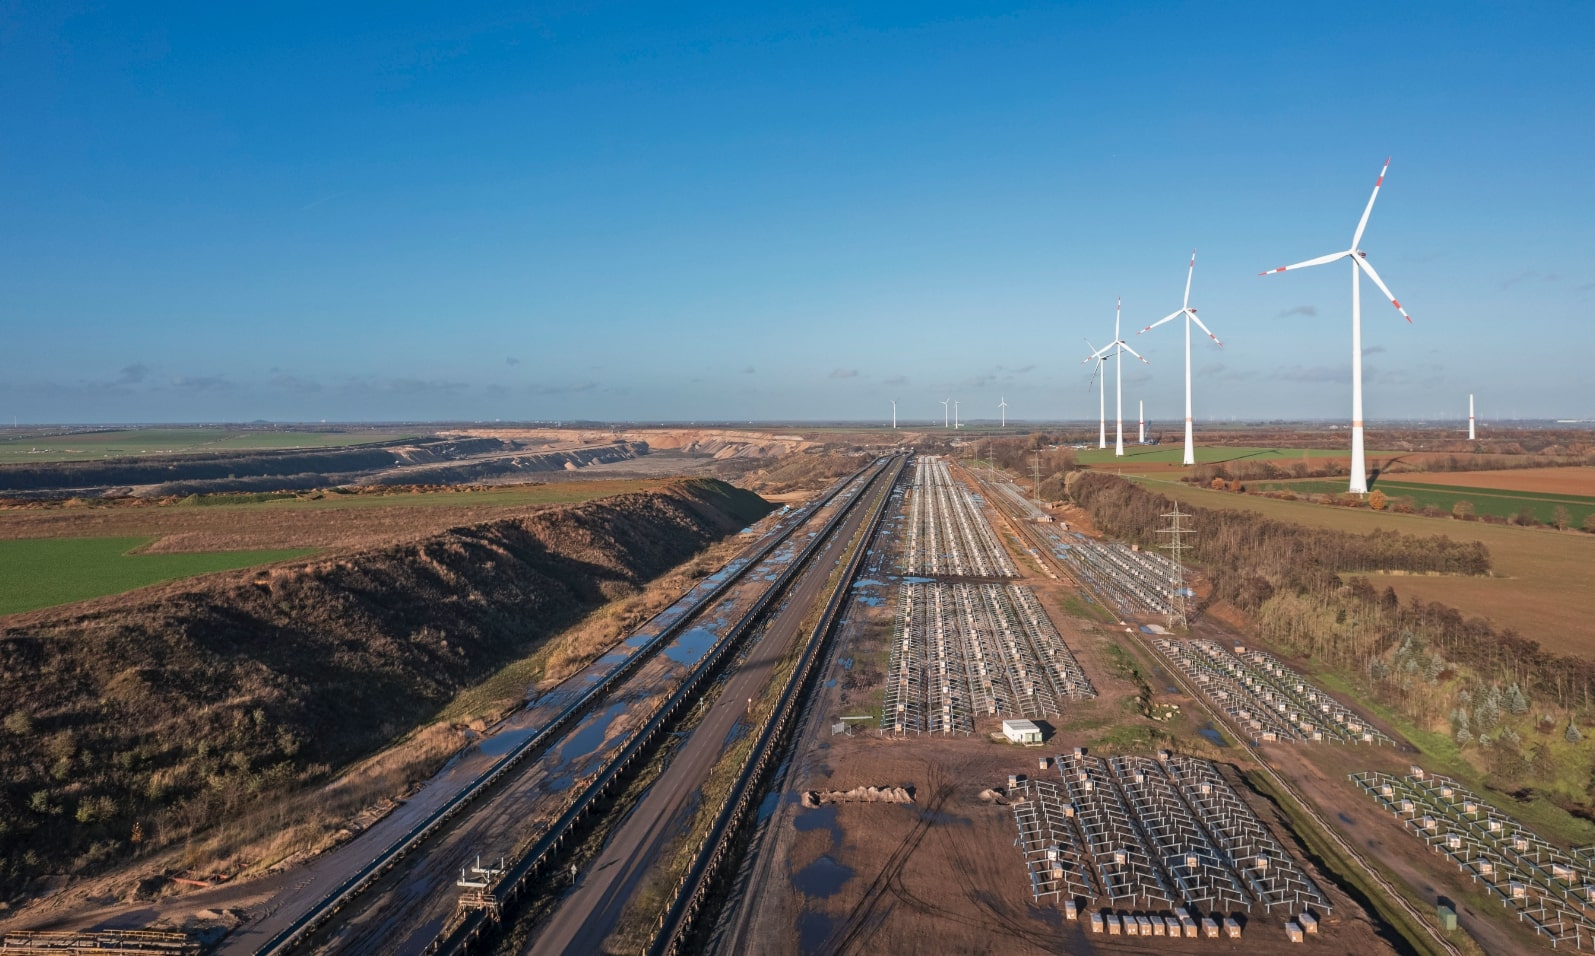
1550	887
1264	698
1496	502
126	443
961	651
1169	832
947	533
46	572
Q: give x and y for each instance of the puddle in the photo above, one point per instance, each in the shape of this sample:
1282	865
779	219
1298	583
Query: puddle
610	660
767	805
866	583
638	641
822	878
587	739
559	784
813	930
939	818
831	683
500	744
687	649
1212	735
819	818
1346	819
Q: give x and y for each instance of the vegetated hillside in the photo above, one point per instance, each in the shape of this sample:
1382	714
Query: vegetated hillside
142	720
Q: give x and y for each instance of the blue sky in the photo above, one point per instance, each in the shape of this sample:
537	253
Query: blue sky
643	212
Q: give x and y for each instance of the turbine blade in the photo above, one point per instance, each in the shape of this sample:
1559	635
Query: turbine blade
1363	263
1172	315
1189	272
1363	222
1126	347
1192	314
1310	262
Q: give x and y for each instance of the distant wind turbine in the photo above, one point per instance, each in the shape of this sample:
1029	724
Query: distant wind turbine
1118	347
1102	392
1359	265
894	414
1190	316
945	420
1003	404
1470	417
956	424
1141	423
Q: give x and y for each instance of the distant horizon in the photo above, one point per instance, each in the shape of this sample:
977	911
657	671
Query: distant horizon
984	424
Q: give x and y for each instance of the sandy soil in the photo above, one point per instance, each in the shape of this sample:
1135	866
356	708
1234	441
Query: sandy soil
1553	481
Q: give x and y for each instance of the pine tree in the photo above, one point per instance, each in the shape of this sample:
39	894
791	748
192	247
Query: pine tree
1572	735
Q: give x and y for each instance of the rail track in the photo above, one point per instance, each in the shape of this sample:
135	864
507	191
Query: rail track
294	935
505	891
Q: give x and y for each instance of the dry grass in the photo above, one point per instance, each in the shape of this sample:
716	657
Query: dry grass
1544	583
311	520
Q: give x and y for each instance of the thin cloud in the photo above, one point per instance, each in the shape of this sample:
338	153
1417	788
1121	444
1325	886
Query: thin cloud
896	380
133	374
201	383
843	373
748	370
1528	275
511	360
1373	350
563	389
1307	310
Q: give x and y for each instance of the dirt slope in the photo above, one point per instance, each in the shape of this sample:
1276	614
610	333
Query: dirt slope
143	718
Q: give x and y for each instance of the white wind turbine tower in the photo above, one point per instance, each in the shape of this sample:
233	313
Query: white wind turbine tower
1118	347
1102	392
1140	430
1190	316
1003	404
945	420
956	424
1359	265
1470	417
894	414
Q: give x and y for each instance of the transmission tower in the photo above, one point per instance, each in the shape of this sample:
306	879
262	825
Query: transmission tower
1176	548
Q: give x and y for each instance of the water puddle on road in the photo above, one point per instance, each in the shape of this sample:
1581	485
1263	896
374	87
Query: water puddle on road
822	878
819	818
591	735
689	647
813	930
1212	734
500	744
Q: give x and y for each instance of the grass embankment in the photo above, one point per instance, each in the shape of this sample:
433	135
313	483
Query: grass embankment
40	446
41	573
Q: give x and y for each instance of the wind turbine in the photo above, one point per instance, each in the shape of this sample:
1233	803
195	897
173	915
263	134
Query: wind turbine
1470	417
894	414
1190	316
956	425
1102	392
1003	404
945	421
1141	424
1359	265
1118	347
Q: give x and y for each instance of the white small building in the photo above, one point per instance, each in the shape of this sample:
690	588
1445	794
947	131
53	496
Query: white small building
1022	732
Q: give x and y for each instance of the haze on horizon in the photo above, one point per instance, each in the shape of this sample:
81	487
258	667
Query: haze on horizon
623	213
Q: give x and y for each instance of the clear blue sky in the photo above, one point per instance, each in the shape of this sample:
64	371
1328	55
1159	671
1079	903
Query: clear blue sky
634	212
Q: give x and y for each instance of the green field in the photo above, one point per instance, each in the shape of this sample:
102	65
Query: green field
1172	453
1486	501
507	496
36	446
44	572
